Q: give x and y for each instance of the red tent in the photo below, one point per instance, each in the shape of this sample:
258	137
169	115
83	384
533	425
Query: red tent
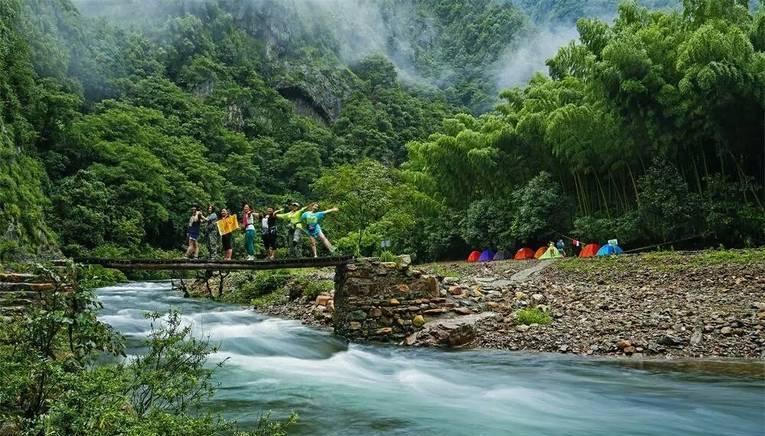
540	252
524	253
474	256
589	250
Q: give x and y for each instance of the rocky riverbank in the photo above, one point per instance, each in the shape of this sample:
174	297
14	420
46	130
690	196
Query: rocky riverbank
700	305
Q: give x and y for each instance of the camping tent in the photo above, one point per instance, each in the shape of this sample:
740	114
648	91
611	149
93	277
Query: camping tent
610	250
500	255
540	252
524	253
486	256
551	253
589	250
474	256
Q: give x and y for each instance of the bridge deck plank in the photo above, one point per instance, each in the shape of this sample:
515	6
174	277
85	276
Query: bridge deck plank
217	265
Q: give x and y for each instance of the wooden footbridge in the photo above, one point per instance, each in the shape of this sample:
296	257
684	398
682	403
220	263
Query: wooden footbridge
215	265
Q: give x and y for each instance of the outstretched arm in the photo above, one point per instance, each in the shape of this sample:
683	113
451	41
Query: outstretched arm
334	209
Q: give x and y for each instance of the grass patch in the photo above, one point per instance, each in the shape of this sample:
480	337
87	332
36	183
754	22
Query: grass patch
442	270
532	315
709	257
276	297
388	256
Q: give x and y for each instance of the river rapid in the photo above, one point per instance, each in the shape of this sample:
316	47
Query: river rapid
341	389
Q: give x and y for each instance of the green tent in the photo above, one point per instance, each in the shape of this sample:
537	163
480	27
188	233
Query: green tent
551	253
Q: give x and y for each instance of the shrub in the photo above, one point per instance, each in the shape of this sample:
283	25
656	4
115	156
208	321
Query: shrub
316	287
532	315
96	276
249	286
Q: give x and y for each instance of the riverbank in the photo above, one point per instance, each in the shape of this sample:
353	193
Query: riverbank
703	305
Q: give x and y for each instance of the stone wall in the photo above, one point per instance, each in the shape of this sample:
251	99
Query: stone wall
384	301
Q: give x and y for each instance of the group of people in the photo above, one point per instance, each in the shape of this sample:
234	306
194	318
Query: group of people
300	221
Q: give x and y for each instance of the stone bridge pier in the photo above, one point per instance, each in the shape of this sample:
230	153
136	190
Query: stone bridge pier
384	301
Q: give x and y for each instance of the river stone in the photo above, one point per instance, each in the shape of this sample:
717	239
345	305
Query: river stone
726	330
522	328
622	344
355	325
456	290
357	315
462	310
461	335
418	321
384	331
448	281
394	302
696	337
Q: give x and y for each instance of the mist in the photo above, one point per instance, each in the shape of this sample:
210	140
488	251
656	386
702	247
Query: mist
521	61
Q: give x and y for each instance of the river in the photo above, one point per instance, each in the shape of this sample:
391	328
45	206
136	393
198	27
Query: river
340	389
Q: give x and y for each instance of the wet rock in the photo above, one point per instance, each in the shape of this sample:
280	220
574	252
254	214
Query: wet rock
355	325
726	330
462	310
384	331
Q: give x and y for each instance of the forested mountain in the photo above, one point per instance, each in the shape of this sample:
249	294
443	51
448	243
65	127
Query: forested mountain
118	115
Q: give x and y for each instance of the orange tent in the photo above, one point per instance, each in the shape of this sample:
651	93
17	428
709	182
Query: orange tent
589	250
524	253
474	256
540	252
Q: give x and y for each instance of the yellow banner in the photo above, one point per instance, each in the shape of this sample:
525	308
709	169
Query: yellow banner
227	225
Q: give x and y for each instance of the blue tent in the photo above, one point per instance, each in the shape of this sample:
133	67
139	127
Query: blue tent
610	250
486	256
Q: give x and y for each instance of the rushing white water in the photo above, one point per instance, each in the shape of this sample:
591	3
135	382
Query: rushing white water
339	389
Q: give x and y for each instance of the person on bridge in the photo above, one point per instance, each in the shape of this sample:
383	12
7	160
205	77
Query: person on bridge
195	223
312	220
248	224
268	231
211	232
228	246
295	228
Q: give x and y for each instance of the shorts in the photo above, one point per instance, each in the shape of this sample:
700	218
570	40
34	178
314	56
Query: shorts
227	242
194	236
269	241
313	231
